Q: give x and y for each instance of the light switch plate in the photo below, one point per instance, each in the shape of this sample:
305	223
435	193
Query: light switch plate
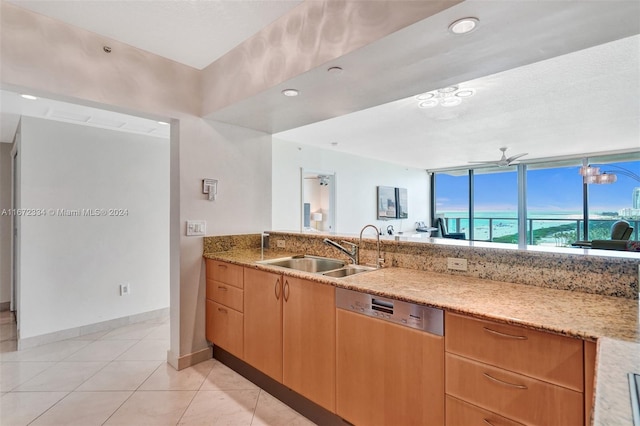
196	227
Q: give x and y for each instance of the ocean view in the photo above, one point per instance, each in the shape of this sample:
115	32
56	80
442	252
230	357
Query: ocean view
554	228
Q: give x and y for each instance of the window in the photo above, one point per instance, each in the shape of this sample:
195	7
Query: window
556	199
495	205
452	200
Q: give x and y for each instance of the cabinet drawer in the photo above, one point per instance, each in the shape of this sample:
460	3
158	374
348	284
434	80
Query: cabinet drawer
224	328
459	413
224	272
512	395
225	294
549	357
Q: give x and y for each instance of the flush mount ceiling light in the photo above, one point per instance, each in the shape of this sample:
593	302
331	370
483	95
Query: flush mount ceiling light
290	92
30	97
446	97
464	25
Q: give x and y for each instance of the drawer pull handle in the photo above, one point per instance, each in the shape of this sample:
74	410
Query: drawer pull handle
224	311
277	289
513	385
220	265
221	287
486	421
511	336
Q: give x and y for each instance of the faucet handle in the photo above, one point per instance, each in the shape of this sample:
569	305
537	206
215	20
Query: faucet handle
354	247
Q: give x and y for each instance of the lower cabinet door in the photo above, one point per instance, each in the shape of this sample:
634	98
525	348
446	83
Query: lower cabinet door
225	328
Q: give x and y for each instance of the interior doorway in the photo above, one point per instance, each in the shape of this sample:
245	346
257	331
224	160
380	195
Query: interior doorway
318	201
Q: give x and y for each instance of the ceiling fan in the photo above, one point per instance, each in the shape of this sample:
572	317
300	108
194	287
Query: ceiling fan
504	161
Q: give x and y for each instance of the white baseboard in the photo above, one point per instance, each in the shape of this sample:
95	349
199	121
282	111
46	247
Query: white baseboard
76	332
184	361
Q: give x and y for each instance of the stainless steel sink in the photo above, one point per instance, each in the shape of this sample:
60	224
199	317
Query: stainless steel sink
328	267
347	271
306	263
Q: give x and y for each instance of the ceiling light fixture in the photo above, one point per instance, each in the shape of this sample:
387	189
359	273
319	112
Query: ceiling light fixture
30	97
464	26
446	97
290	92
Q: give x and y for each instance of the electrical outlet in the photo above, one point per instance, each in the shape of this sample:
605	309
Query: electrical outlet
124	289
280	243
456	264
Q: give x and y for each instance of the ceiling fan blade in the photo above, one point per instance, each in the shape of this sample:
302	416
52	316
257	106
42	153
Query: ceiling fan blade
515	157
485	162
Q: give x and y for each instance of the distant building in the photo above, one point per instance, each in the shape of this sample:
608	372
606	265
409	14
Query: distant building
629	213
636	198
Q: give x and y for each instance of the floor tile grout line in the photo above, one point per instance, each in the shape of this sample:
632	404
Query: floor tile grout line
56	403
187	407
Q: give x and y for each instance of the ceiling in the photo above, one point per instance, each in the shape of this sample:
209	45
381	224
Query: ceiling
552	78
194	33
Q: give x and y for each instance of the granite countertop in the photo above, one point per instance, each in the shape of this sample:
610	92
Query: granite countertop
574	314
612	321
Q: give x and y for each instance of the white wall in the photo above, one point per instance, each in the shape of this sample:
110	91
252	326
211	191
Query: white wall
356	182
71	266
5	222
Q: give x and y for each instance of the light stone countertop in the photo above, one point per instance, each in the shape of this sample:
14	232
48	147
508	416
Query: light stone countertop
613	321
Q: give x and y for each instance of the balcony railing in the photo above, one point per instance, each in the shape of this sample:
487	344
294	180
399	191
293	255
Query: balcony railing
533	224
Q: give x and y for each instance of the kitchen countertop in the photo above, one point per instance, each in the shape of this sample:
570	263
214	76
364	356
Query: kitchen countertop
612	321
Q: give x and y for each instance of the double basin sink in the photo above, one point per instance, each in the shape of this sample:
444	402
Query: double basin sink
335	268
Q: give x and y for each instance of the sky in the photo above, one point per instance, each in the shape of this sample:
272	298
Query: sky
558	189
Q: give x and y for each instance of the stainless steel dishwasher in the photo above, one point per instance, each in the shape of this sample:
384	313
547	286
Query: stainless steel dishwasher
390	360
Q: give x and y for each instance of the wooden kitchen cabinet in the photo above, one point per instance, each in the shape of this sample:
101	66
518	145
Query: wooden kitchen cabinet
388	374
263	321
224	306
289	333
526	376
309	340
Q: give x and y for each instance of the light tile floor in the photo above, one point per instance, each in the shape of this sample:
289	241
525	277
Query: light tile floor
121	377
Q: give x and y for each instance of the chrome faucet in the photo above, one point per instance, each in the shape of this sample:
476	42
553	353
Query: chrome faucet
379	260
352	253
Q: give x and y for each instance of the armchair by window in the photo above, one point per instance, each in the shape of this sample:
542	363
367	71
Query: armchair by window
620	233
441	224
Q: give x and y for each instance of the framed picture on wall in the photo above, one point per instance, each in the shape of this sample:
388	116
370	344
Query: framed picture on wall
402	207
386	202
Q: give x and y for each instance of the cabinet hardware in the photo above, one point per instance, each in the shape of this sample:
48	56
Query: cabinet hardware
486	421
286	291
221	287
224	311
276	288
513	385
220	265
498	333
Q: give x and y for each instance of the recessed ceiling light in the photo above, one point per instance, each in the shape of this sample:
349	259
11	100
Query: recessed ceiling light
465	93
163	123
464	25
290	92
30	97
